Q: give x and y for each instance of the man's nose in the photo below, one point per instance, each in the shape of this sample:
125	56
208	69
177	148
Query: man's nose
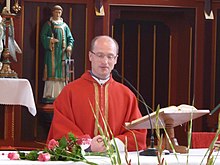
105	59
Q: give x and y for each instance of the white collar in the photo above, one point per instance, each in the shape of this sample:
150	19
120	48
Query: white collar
100	81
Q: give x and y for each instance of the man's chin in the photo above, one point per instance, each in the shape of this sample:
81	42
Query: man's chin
105	75
105	71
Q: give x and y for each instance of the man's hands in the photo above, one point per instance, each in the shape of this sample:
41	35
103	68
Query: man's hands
97	144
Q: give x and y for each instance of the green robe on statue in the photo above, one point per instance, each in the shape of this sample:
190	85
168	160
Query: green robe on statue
55	56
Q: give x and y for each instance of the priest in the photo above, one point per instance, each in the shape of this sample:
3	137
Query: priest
97	90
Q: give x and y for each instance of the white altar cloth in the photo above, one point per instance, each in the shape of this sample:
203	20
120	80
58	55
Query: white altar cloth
195	157
17	92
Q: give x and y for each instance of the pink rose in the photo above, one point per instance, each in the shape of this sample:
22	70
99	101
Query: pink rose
44	157
13	156
52	144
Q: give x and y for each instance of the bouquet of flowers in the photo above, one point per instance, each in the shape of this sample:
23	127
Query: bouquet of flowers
65	149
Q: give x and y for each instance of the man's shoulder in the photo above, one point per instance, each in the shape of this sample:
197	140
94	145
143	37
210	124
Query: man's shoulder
119	86
79	81
75	82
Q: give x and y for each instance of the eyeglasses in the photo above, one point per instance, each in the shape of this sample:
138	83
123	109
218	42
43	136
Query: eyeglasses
110	57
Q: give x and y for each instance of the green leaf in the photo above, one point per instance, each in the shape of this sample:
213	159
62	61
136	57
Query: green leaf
22	155
32	155
63	142
71	137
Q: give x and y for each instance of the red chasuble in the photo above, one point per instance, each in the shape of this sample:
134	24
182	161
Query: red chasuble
117	104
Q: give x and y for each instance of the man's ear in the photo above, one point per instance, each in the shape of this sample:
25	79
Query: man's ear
90	55
116	59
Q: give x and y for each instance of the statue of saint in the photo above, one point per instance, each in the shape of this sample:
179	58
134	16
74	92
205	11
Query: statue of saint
57	41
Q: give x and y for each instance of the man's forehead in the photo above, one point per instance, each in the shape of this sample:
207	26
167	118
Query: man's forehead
105	41
105	47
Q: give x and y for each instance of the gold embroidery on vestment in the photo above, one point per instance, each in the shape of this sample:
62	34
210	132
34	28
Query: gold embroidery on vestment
106	102
97	108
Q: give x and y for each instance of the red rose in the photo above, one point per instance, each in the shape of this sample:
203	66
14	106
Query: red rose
52	144
44	157
13	156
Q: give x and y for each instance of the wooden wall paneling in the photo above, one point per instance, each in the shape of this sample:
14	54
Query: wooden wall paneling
160	3
217	60
8	134
208	125
197	6
30	70
148	33
138	57
9	124
181	65
181	73
210	65
178	46
213	51
80	31
144	60
162	65
172	80
10	130
215	56
199	56
198	72
17	122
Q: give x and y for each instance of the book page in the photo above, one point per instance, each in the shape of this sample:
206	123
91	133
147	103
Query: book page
180	108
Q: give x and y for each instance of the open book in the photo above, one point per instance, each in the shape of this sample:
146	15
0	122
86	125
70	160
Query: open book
171	116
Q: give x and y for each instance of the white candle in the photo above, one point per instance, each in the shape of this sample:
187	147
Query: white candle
8	5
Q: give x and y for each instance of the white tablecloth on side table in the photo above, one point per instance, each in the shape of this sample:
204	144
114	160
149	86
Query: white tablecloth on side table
17	92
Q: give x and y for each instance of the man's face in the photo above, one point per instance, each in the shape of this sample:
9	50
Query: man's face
103	57
56	14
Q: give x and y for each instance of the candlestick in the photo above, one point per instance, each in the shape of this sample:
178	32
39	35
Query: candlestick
8	5
6	70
